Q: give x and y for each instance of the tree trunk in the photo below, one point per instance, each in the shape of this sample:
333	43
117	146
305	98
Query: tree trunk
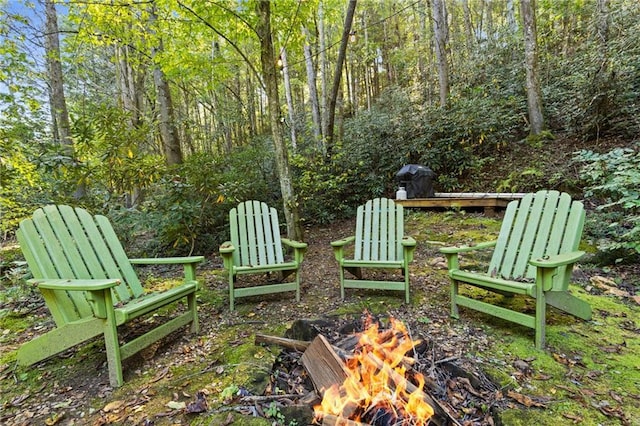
268	60
59	112
512	23
168	131
534	98
61	127
131	84
468	25
424	61
440	29
331	108
599	108
313	91
287	92
251	106
324	67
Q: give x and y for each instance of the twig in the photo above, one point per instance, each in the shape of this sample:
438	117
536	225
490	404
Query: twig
266	398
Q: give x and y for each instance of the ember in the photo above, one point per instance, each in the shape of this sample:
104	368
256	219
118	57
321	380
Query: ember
378	389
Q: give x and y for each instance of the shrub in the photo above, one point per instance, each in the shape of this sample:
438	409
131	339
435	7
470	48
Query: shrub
613	183
186	212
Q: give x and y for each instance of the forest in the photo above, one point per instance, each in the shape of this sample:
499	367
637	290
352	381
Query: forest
163	115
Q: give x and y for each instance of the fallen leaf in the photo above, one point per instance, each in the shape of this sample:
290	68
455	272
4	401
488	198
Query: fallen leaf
525	400
541	376
614	349
437	261
18	400
560	358
160	374
594	374
602	282
617	398
113	406
199	405
228	420
575	418
523	366
176	405
617	292
614	412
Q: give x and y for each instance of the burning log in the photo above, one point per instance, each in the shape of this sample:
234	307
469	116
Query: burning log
417	369
330	420
325	368
323	365
372	384
411	388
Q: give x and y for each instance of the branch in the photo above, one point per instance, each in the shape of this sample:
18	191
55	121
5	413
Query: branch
237	49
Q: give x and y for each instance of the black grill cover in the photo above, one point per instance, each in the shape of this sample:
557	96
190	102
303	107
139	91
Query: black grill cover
417	180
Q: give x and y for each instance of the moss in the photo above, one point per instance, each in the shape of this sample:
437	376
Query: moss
230	418
585	363
588	247
15	322
549	416
453	227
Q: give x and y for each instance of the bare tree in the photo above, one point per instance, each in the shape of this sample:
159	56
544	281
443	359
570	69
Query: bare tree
268	61
331	108
534	97
600	105
313	91
324	69
287	92
168	131
59	112
468	25
441	32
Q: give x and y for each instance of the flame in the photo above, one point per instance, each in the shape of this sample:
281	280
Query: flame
376	383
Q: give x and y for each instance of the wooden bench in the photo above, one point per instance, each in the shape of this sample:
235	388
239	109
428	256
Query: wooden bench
490	202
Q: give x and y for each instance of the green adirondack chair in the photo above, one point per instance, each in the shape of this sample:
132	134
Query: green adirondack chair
257	248
533	256
90	286
379	243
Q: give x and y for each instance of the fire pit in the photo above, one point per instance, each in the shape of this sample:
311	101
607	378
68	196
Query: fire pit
376	388
368	374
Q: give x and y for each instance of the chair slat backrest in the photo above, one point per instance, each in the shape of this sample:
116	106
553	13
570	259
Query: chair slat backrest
541	224
379	231
63	242
255	232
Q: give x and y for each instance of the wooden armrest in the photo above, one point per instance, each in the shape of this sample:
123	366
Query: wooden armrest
75	285
167	260
294	244
557	260
344	241
462	249
408	241
227	247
